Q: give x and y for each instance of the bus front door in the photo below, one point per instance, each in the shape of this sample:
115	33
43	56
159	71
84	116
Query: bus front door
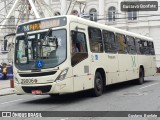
79	57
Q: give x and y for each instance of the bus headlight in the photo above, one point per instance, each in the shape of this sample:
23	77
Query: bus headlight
62	75
16	80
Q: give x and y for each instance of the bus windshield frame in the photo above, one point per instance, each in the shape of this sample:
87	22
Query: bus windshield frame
41	49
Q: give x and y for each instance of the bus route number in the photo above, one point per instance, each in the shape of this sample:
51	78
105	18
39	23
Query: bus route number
28	81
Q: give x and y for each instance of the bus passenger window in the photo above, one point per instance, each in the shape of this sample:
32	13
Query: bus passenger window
78	47
95	38
138	45
122	47
109	42
151	48
145	48
79	42
131	45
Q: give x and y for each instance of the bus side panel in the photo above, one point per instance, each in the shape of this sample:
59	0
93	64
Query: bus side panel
123	65
82	80
132	70
111	63
145	61
99	60
153	64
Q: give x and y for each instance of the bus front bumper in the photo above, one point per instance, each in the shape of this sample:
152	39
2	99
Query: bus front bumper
59	87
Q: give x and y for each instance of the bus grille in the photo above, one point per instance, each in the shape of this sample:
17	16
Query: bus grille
44	89
37	74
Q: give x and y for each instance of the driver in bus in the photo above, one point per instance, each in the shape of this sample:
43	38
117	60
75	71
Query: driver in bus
74	48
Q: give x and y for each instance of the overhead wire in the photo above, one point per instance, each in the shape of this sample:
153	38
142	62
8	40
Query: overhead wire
69	6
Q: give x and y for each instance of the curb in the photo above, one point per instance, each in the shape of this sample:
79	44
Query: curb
7	93
4	88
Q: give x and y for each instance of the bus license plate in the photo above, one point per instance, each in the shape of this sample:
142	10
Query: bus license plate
36	92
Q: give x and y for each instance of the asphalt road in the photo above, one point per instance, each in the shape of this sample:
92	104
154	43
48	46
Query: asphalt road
119	97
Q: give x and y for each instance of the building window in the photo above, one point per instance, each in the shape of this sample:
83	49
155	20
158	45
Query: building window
112	14
57	13
132	15
74	12
93	14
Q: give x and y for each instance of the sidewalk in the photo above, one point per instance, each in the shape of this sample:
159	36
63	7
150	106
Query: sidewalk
5	88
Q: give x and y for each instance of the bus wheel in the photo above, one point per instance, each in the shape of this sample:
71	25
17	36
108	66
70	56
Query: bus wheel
54	95
98	85
140	80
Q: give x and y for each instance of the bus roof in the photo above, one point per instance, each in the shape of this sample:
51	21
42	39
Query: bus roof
96	25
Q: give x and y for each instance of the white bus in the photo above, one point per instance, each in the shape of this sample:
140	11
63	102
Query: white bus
67	54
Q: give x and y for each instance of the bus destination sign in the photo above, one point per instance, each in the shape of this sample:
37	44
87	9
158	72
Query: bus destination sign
43	24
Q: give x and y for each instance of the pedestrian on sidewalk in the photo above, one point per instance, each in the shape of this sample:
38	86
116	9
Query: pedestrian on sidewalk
4	66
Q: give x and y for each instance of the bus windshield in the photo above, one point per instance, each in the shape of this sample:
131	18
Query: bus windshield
40	50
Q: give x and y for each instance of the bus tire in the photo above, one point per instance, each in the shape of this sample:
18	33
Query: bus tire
140	80
98	85
54	95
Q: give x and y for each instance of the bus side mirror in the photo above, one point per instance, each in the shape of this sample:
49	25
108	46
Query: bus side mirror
26	40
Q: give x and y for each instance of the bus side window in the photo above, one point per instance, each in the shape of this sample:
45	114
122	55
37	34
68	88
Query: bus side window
122	47
141	47
151	48
78	47
79	42
138	45
95	38
109	41
145	48
131	45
